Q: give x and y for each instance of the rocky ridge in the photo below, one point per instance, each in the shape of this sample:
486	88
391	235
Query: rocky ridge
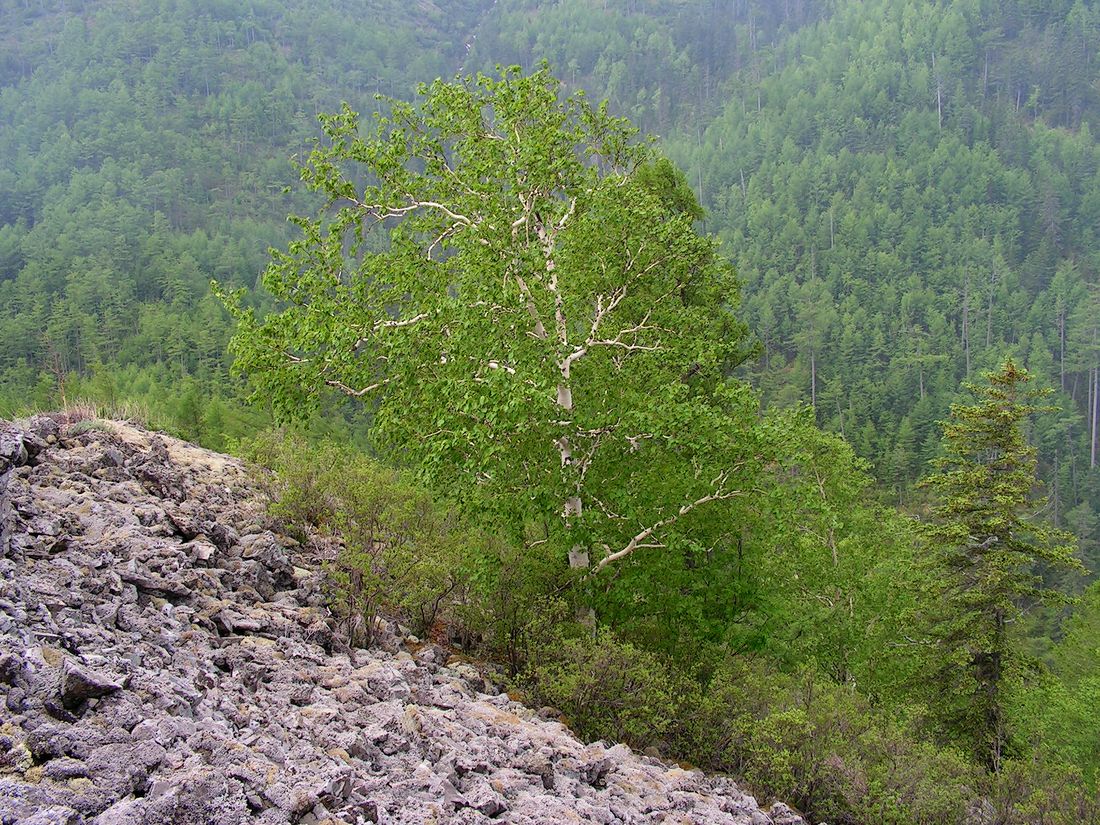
166	656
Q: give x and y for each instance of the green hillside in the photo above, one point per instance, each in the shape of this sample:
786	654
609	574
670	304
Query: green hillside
914	195
144	151
909	192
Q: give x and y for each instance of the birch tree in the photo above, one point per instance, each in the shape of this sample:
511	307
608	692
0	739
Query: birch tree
512	281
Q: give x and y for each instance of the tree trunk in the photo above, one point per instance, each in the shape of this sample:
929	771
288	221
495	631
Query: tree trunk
939	92
573	507
1096	414
989	310
966	323
813	381
1062	348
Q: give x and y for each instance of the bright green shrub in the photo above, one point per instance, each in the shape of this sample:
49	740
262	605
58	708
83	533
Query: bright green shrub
611	690
513	604
401	553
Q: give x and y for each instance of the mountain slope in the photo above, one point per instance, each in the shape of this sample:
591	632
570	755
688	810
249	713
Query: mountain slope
911	191
166	657
145	150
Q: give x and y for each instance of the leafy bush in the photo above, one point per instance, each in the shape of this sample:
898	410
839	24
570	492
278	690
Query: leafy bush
823	748
1040	790
799	738
611	690
402	554
514	603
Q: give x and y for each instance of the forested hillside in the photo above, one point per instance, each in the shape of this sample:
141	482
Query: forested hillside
909	195
909	192
144	151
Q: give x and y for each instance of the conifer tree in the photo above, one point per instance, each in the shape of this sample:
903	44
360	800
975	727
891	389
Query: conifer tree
989	552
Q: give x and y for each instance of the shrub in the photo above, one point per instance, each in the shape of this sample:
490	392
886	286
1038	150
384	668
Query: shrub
514	604
402	554
795	737
822	747
611	690
1040	791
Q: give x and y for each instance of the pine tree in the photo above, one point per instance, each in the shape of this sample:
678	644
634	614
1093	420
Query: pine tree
988	552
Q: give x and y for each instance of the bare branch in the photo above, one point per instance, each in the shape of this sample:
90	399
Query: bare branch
568	214
634	440
629	346
603	508
404	322
391	323
446	233
381	211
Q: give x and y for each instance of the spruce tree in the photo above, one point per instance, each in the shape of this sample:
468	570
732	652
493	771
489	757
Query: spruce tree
990	553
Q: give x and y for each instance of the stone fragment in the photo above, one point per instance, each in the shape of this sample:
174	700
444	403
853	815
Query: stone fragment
154	585
174	660
12	669
781	814
54	815
79	684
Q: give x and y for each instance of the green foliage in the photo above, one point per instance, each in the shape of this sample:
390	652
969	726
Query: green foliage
988	552
401	555
908	190
663	63
902	219
1057	709
518	598
144	153
1040	790
542	334
611	690
799	737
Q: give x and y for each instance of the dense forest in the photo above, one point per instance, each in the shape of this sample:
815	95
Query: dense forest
909	193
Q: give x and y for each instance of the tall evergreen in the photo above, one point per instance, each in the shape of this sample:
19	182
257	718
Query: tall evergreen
989	552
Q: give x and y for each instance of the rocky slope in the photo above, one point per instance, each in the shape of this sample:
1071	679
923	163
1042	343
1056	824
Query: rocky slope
166	658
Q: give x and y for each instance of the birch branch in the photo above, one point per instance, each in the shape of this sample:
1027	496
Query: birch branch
344	388
640	540
392	323
532	309
381	211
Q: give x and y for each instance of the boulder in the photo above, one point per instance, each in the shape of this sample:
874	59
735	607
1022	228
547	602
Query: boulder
79	684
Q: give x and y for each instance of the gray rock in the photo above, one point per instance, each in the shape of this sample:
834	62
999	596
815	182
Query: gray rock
781	814
13	450
79	684
166	657
12	668
54	815
45	428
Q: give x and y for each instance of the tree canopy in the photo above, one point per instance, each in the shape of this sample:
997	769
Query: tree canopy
989	551
518	291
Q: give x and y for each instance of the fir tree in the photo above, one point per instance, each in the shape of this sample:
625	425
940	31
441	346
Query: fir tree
988	551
